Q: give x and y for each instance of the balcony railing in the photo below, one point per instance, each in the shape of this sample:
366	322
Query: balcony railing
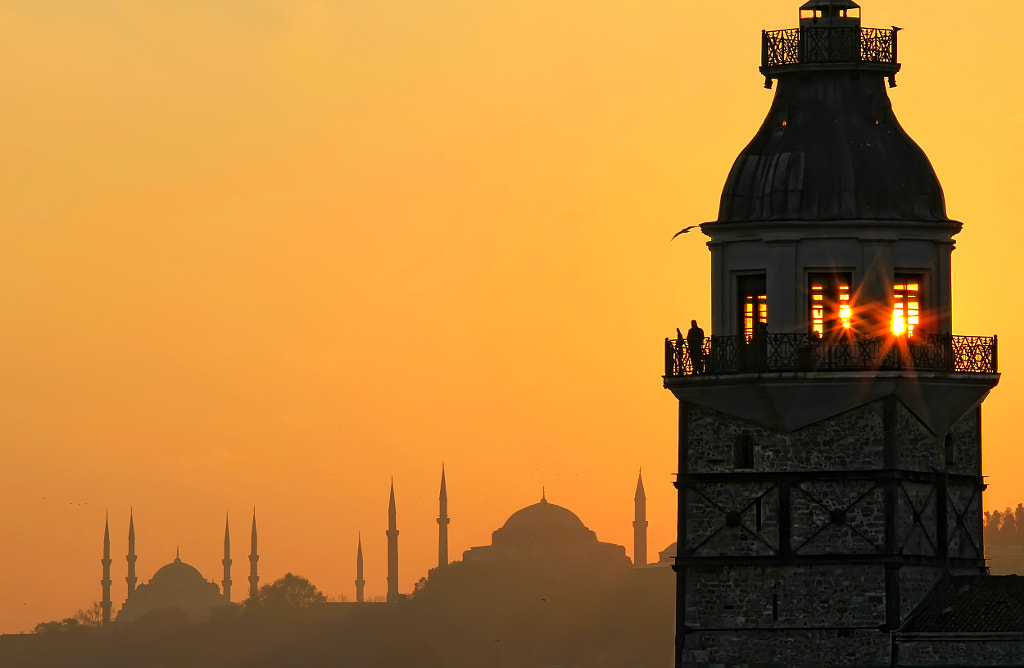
796	46
801	352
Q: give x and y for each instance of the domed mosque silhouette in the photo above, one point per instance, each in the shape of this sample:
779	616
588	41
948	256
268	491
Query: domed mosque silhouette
549	533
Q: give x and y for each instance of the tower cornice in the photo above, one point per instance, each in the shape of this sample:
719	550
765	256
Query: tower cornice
777	231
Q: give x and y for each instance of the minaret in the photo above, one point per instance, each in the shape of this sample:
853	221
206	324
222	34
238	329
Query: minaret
254	578
640	523
131	558
226	561
392	534
106	582
829	467
360	582
442	524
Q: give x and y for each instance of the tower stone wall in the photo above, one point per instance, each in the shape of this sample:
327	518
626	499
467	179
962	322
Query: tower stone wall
827	536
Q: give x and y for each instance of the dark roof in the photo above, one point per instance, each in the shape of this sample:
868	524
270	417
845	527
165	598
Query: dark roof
971	604
841	4
832	149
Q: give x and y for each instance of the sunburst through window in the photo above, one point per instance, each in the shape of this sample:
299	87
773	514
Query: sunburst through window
906	305
831	311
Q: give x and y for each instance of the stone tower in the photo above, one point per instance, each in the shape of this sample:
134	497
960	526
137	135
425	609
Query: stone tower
830	427
392	534
442	524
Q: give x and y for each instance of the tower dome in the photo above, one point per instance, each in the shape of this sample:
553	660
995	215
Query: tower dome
831	147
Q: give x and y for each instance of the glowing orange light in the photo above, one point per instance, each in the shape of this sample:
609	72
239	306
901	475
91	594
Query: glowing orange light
755	309
817	309
906	308
845	313
841	308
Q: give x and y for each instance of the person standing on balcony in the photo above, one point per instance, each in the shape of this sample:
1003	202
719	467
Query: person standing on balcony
695	344
759	342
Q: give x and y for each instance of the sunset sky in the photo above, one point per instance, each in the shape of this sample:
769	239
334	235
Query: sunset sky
272	253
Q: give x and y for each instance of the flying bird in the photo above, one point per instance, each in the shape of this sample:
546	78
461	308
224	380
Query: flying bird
683	231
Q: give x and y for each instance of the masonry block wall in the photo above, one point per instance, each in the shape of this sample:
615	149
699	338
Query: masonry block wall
828	535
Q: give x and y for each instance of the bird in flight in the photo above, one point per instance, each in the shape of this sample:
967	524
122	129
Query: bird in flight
683	231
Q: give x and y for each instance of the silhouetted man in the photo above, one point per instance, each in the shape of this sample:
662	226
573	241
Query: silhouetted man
759	341
695	344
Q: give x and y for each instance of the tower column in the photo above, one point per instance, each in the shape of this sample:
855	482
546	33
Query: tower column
876	286
785	306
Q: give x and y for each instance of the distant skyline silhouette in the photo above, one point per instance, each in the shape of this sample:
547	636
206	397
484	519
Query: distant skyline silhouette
200	594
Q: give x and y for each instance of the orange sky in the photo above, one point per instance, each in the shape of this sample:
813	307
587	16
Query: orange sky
273	252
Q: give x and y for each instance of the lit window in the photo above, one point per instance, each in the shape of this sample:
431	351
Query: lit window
906	305
755	309
831	310
753	301
844	306
817	309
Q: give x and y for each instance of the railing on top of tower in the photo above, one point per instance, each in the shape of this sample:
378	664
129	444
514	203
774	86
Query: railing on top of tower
849	352
873	48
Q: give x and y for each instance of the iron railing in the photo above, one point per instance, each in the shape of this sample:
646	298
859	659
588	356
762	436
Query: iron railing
802	352
795	46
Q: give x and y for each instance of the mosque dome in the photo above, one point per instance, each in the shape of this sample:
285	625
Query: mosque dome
546	532
176	585
178	575
544	517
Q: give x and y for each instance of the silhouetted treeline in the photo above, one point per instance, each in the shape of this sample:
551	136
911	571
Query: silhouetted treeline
1005	528
464	615
1004	541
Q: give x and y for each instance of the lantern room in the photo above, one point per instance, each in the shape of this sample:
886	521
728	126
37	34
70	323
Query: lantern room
830	13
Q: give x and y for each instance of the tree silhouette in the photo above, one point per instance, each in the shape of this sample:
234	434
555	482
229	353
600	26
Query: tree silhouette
291	591
86	618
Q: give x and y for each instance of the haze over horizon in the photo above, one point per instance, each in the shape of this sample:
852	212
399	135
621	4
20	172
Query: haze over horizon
272	253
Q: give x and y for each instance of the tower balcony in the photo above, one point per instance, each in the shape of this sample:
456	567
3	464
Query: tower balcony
720	355
828	47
